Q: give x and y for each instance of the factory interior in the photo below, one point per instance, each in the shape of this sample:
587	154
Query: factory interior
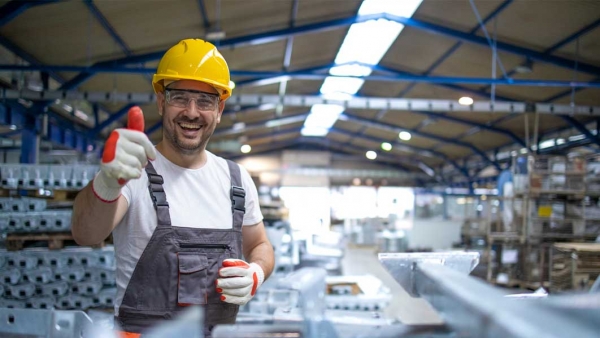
424	168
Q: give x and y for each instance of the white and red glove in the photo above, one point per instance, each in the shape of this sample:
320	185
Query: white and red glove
239	281
126	153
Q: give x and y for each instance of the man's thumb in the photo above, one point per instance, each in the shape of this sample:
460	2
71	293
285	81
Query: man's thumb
135	119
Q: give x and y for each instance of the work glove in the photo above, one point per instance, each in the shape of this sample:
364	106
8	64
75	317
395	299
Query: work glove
239	281
126	153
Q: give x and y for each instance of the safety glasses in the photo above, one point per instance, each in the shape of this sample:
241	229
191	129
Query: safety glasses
181	98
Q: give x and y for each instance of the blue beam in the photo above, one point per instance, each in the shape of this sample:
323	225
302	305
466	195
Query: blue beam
114	117
471	123
9	45
399	77
275	35
107	26
581	128
446	140
586	29
14	8
501	46
453	49
205	21
559	45
154	128
404	145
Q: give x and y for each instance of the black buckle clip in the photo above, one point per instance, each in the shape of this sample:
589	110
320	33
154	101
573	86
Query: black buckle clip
238	199
155	201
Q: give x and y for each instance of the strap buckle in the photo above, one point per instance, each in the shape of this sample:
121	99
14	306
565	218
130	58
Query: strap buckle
238	199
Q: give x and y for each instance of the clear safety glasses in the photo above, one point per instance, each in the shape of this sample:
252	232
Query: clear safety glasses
181	98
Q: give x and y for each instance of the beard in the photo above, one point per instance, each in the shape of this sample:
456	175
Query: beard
185	145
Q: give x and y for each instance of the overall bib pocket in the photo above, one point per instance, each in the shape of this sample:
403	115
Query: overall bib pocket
191	289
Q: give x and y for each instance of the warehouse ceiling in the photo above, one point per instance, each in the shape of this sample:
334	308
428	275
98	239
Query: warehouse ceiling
442	46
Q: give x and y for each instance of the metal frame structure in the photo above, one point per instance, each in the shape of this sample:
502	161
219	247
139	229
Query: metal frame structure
468	306
14	8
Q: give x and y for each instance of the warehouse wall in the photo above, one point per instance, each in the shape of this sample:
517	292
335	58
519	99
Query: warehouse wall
434	233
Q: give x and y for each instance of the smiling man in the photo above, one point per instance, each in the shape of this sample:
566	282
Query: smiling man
186	223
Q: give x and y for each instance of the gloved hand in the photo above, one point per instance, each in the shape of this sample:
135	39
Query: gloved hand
126	153
240	282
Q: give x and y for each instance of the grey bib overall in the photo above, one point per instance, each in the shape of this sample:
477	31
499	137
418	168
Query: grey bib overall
180	265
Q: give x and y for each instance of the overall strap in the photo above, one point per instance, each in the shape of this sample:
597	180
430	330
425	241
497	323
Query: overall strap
238	196
158	196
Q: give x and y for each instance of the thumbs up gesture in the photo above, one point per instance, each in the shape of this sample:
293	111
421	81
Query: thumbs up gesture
126	153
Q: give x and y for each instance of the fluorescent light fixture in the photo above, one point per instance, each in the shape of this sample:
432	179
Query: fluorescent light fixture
427	170
246	148
267	106
560	141
547	144
386	146
323	115
404	136
350	70
405	8
81	115
523	150
513	153
238	126
314	131
368	41
12	127
371	155
67	108
365	43
576	137
231	84
465	101
347	85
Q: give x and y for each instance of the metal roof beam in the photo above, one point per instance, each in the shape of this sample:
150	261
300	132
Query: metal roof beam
398	77
204	15
397	129
453	49
15	7
406	146
501	46
275	35
471	123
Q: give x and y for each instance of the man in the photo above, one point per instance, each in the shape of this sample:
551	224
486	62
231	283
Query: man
181	225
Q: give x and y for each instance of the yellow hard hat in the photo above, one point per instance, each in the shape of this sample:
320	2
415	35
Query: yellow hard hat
194	59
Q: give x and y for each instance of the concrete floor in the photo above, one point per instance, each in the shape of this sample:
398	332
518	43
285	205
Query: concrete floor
408	310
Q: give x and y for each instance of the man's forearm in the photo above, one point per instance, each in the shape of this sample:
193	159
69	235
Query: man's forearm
263	255
93	220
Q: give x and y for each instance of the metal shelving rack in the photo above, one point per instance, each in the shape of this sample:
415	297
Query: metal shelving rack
548	205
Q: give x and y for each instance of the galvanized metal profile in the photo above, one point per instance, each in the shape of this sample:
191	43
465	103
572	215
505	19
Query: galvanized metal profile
473	308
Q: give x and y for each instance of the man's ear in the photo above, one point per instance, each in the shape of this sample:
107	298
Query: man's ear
220	111
160	102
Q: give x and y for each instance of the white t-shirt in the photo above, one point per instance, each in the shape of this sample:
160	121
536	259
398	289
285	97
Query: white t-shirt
197	198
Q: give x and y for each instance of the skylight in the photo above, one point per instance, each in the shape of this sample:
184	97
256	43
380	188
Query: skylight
366	43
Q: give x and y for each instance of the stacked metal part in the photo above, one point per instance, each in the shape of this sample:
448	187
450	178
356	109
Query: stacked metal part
33	176
29	215
72	278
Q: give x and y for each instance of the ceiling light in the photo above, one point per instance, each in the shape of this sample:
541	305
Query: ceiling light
465	101
231	84
246	148
404	136
314	131
386	146
371	155
13	127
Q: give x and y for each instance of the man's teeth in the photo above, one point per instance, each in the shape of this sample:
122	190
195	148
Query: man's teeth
189	125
